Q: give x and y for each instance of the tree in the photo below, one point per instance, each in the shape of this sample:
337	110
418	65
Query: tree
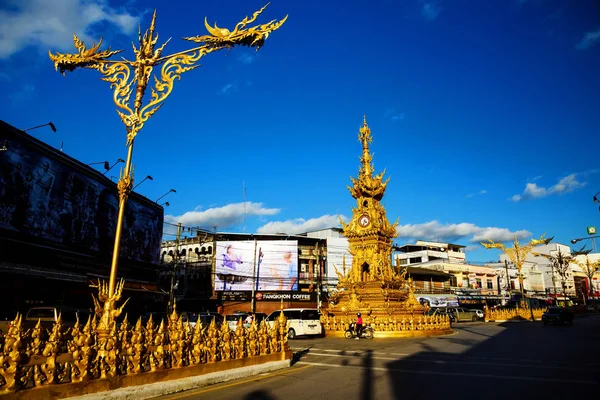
589	268
517	253
560	262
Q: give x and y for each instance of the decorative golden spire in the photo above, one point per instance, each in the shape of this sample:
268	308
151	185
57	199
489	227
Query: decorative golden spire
367	185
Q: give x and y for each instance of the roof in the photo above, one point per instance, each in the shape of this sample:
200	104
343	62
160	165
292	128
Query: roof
426	272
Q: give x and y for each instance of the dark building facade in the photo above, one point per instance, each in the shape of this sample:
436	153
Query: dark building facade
57	228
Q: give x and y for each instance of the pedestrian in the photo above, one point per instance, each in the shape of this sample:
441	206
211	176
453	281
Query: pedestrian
358	326
248	320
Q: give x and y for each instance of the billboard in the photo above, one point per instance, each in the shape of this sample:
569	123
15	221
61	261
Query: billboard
338	256
263	265
438	300
51	198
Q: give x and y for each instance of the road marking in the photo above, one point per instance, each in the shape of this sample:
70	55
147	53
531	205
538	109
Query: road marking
463	374
216	386
418	358
309	349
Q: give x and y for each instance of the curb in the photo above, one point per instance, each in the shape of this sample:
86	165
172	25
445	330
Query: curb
180	385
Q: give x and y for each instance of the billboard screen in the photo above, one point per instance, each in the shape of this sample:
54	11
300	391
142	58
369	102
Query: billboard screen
50	197
438	300
274	263
338	256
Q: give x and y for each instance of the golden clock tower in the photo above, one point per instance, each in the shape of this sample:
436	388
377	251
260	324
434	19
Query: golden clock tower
369	232
382	295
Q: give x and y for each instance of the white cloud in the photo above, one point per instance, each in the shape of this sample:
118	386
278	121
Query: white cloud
589	39
483	191
300	225
228	88
51	24
433	230
430	10
246	58
222	217
565	185
394	115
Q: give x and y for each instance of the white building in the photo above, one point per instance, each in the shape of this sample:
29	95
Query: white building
551	278
423	251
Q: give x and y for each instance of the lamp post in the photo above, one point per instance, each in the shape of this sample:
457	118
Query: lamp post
129	80
592	238
106	165
50	124
119	160
170	190
147	177
517	254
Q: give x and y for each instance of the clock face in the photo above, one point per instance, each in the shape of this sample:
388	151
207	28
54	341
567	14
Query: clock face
364	221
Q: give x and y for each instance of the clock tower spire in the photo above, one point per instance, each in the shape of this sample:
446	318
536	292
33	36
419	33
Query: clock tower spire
369	232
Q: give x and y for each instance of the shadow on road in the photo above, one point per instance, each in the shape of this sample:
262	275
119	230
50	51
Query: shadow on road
259	395
367	380
523	360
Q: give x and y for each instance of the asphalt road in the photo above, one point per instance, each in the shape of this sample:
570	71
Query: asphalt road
480	361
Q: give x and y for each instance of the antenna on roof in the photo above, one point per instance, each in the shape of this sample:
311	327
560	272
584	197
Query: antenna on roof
245	210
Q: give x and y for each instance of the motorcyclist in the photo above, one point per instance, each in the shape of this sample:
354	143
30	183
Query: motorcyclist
358	326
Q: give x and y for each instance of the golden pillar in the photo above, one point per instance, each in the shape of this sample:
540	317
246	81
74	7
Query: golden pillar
129	80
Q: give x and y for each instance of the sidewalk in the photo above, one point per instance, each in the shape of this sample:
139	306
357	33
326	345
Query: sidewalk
180	385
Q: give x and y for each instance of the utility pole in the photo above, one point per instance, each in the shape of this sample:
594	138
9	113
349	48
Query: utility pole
319	276
507	277
254	282
175	267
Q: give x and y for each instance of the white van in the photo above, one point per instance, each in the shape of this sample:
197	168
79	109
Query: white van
303	321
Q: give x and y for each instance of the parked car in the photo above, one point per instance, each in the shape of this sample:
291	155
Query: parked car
234	318
557	315
440	311
480	314
7	317
302	321
463	314
47	316
206	317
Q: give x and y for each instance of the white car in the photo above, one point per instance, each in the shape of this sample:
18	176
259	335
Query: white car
479	313
303	321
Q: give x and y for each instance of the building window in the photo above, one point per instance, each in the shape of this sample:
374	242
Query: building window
403	261
453	281
490	284
478	283
415	260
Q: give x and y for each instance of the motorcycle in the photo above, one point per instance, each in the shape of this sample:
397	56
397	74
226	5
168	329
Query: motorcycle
366	332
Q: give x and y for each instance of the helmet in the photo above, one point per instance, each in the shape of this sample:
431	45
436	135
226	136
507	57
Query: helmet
358	314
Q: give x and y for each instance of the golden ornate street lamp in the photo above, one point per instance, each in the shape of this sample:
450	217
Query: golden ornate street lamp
517	254
130	78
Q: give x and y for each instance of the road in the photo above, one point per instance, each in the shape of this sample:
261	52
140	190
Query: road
481	360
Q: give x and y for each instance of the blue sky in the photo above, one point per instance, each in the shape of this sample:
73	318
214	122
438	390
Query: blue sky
484	113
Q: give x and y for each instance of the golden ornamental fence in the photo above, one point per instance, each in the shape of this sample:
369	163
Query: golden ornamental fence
514	314
408	323
37	357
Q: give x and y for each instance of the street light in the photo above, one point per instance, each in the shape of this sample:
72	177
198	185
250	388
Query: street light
147	177
573	241
111	167
166	204
596	198
129	80
106	165
170	190
50	124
